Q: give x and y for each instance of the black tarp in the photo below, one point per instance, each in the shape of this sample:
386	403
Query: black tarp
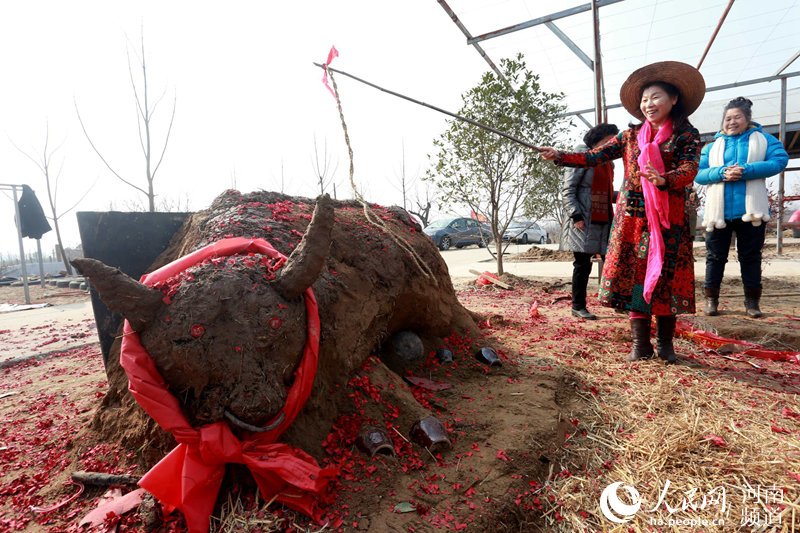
128	241
32	221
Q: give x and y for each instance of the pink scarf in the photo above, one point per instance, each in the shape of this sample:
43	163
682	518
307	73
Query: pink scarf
656	202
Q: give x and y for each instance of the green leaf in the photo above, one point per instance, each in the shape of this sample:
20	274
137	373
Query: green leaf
404	507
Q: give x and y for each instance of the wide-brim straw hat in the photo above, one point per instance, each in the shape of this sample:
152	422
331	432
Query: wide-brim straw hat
685	78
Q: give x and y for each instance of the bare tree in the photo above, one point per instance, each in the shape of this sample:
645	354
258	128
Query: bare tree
404	183
145	112
321	166
43	163
423	207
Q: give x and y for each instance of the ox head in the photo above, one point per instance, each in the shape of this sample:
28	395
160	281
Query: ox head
231	337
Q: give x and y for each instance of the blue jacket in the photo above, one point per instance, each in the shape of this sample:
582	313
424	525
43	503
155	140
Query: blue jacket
736	146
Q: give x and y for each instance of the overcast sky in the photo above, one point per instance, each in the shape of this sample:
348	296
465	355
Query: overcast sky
250	103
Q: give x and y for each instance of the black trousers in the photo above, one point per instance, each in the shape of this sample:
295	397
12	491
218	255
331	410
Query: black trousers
749	242
581	268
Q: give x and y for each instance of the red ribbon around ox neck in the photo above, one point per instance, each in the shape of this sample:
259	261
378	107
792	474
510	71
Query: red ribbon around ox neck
189	477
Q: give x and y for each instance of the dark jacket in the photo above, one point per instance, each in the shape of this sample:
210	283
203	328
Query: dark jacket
576	193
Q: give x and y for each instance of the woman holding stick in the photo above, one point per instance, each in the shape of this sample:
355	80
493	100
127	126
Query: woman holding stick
649	268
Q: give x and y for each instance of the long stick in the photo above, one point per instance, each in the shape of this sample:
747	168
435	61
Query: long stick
439	109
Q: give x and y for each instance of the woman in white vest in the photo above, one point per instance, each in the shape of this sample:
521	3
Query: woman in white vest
734	168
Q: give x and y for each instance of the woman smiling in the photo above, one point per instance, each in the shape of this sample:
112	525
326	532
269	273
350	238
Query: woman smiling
734	168
649	267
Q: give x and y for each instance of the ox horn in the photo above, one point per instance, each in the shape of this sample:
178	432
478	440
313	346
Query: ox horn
121	293
306	262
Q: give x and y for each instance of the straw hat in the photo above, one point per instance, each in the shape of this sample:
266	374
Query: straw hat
686	78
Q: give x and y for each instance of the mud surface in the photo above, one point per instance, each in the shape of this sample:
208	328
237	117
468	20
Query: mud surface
228	337
515	430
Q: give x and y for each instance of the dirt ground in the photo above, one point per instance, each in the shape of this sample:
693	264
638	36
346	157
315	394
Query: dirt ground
520	432
39	294
790	252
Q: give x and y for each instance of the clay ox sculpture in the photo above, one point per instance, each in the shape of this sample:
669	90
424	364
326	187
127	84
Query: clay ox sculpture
227	336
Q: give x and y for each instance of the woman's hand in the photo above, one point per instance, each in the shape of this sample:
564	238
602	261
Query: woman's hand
580	225
548	152
652	175
733	173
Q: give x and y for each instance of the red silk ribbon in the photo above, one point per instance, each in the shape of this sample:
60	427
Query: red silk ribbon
333	53
189	477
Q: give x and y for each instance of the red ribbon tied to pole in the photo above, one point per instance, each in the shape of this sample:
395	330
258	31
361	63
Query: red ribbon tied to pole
189	477
332	54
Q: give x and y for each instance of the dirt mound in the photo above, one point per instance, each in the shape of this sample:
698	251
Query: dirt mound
791	252
231	331
535	253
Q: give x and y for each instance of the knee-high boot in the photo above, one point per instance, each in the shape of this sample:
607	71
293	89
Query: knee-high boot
640	334
665	332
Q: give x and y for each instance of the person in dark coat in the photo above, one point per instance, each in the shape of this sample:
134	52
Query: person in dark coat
587	194
650	266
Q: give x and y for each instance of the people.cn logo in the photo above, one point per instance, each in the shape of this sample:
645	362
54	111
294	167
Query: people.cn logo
615	509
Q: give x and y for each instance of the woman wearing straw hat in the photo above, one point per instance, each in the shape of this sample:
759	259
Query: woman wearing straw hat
734	168
651	272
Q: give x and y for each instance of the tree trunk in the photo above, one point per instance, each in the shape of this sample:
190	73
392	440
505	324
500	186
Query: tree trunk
499	249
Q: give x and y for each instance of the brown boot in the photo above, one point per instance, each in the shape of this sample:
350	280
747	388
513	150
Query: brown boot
712	301
640	334
665	332
752	295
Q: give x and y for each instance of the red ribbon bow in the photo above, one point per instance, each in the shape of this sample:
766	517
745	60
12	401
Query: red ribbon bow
332	54
189	477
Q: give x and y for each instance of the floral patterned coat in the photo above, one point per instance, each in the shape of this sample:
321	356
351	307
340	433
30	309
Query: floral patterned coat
622	282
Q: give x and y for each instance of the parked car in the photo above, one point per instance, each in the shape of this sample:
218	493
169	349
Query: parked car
525	231
459	232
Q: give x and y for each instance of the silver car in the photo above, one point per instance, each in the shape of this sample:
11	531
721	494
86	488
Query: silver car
524	232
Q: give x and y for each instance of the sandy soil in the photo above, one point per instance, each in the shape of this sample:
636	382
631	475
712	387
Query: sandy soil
791	252
39	294
513	428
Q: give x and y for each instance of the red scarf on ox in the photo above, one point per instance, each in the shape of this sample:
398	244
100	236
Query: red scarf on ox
189	477
656	202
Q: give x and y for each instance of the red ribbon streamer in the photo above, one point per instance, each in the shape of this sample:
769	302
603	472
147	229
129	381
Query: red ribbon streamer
189	477
332	54
713	341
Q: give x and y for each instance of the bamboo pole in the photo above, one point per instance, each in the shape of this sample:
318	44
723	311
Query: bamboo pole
429	106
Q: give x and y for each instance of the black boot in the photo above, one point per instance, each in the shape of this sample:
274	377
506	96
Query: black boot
665	331
640	334
712	301
752	295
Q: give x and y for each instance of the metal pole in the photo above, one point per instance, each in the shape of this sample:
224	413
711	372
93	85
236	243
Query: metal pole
541	20
708	90
786	65
23	267
41	262
779	225
600	112
714	35
468	35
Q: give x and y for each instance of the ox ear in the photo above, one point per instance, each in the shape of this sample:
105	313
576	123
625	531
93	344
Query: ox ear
306	262
121	293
